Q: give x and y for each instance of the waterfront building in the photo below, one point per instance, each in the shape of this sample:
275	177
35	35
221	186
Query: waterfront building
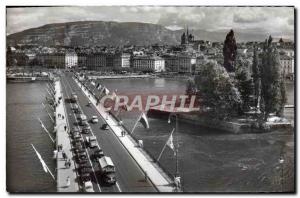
96	61
71	60
149	63
51	60
82	60
200	61
125	60
180	63
100	61
287	63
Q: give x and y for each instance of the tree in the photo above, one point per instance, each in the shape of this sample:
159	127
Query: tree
256	77
9	57
272	81
217	91
191	88
244	82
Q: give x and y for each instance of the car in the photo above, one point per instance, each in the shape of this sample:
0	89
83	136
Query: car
85	170
83	123
98	153
76	109
91	141
88	186
94	119
76	136
105	126
85	177
74	131
86	129
81	156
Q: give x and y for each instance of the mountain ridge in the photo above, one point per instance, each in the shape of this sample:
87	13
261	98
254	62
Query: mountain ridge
95	33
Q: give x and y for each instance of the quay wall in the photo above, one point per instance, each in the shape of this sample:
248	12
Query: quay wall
119	77
230	126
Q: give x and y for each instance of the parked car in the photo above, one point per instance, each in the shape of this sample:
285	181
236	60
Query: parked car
98	153
94	119
85	177
84	123
105	126
88	186
76	108
91	141
86	129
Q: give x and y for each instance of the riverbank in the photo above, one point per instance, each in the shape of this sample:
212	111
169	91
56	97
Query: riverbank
119	77
236	125
244	124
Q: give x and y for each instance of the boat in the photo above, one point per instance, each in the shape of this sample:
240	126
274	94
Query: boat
20	79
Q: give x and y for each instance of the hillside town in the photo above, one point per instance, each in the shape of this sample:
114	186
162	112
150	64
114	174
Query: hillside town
187	58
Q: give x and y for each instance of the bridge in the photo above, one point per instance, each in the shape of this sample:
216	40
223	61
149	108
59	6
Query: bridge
135	170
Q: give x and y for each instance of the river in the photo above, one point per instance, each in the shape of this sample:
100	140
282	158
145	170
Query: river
24	170
209	160
212	160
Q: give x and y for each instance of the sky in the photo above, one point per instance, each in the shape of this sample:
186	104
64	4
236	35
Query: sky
266	20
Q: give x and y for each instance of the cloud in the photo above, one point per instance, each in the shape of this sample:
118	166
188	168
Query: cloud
249	18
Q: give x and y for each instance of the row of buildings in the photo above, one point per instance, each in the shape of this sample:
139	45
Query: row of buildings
179	62
101	61
109	61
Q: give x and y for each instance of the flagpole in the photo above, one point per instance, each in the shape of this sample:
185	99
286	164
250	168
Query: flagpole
176	149
48	113
176	145
50	88
164	146
49	93
43	162
136	123
43	126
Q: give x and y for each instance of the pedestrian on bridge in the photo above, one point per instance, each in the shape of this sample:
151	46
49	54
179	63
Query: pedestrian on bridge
64	155
68	181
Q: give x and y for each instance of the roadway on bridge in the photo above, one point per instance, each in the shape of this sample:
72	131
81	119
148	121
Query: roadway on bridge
130	178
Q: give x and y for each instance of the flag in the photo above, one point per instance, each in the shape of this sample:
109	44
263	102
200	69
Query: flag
98	86
105	91
113	95
144	120
41	160
93	83
170	142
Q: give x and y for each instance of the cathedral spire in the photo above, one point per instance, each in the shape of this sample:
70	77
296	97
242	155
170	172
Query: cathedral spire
187	30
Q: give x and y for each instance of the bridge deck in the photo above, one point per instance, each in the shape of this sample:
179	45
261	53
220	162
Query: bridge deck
155	175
